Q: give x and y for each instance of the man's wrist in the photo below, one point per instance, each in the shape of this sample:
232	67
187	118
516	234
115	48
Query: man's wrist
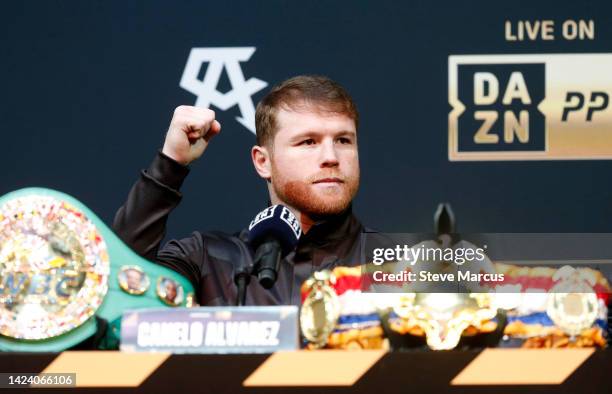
168	171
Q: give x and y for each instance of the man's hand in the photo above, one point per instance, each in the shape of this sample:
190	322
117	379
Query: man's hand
190	131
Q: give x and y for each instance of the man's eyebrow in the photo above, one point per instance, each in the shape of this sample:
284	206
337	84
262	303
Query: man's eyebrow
346	132
312	133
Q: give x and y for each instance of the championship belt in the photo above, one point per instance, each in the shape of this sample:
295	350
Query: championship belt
336	313
63	273
445	318
572	303
554	308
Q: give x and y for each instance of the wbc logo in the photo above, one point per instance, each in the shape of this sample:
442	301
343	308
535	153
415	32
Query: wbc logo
219	59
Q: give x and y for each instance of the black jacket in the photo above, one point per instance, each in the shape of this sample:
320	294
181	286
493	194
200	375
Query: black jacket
209	259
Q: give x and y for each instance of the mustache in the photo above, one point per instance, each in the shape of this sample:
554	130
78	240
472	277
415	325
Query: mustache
326	175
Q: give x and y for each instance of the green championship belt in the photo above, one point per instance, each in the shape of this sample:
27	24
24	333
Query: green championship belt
63	272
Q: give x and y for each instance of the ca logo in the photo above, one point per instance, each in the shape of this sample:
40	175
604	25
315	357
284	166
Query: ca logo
206	89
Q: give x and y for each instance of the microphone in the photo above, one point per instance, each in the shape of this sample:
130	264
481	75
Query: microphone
273	233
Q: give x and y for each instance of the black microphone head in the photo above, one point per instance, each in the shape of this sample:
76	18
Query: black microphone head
276	222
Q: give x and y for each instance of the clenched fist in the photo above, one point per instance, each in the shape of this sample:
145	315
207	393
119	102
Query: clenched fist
190	131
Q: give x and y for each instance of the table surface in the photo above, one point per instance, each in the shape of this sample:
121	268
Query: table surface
398	372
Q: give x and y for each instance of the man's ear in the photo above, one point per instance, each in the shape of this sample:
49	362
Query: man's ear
261	160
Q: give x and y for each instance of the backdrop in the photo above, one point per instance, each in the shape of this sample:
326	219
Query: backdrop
89	87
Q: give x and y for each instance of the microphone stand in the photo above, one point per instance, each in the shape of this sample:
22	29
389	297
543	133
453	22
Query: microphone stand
242	278
266	264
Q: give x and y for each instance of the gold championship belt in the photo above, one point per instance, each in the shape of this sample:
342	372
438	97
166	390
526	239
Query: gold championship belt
555	308
545	307
443	318
572	304
336	313
320	309
55	268
63	273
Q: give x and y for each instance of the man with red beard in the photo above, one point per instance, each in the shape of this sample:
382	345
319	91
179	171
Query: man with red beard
306	151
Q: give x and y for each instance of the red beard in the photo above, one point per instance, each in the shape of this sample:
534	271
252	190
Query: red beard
301	196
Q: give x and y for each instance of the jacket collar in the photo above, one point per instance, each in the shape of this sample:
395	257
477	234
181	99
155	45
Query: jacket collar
331	230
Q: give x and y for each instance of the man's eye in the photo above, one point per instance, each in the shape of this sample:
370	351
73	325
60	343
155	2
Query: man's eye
344	140
309	141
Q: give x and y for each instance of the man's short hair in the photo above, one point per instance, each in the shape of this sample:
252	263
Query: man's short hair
310	90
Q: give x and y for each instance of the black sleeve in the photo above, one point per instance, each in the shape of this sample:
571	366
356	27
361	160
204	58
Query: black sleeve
141	221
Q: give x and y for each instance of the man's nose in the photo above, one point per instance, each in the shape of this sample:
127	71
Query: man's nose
329	156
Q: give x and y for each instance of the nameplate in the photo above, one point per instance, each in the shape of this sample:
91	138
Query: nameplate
263	329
